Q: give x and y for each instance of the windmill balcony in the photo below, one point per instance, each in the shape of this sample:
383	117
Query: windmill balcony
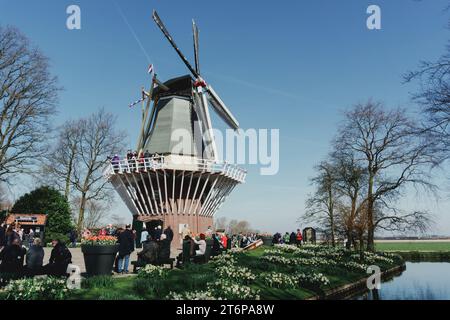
172	162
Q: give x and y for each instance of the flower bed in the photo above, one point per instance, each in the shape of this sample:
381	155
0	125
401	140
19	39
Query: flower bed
47	288
276	272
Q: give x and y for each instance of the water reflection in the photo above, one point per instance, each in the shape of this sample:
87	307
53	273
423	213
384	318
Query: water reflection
420	281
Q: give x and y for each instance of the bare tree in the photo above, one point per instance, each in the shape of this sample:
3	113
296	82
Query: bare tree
97	212
220	223
386	143
59	162
320	206
28	96
350	180
76	163
117	220
99	139
434	98
5	203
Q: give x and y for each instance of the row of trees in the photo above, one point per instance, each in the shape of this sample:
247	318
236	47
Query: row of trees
377	154
72	161
233	226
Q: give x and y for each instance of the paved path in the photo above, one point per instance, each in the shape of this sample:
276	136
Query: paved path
77	257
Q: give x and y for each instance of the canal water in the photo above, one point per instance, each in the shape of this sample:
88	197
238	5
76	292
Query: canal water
420	281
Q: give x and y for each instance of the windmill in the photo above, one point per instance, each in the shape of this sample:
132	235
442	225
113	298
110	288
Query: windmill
171	185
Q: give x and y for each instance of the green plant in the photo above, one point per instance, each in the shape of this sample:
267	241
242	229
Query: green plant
153	272
113	295
50	202
36	289
49	236
98	282
152	287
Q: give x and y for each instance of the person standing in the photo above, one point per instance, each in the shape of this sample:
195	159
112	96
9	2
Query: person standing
299	237
144	234
30	237
224	241
126	247
73	238
164	248
169	234
11	235
286	238
292	238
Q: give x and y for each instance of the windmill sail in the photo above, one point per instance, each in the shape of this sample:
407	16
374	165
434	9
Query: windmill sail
221	109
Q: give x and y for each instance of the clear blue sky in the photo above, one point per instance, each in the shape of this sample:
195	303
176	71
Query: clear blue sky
292	65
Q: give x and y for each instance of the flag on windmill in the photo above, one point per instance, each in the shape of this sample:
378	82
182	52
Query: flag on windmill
136	102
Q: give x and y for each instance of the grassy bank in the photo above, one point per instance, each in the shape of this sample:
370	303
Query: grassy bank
284	272
413	246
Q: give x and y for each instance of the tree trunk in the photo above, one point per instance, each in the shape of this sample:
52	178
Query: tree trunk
361	247
370	226
67	189
331	211
81	212
349	240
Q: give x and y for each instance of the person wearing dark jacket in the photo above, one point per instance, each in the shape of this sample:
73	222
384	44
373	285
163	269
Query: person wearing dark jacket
164	248
217	245
35	258
11	235
292	238
158	232
126	247
12	258
2	236
150	251
60	258
169	234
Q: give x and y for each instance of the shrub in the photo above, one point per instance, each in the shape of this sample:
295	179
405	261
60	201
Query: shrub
36	289
50	202
98	282
49	236
153	272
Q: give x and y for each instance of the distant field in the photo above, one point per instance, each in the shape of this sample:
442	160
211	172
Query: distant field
413	246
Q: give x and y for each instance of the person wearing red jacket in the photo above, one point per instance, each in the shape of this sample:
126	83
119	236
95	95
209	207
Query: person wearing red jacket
224	241
299	237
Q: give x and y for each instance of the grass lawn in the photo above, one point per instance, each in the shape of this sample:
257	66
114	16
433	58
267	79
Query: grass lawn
195	278
412	246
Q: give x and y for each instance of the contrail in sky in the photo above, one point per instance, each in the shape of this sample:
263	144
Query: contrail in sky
150	60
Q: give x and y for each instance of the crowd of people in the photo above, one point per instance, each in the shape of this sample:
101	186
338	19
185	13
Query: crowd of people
294	238
22	254
134	160
155	243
